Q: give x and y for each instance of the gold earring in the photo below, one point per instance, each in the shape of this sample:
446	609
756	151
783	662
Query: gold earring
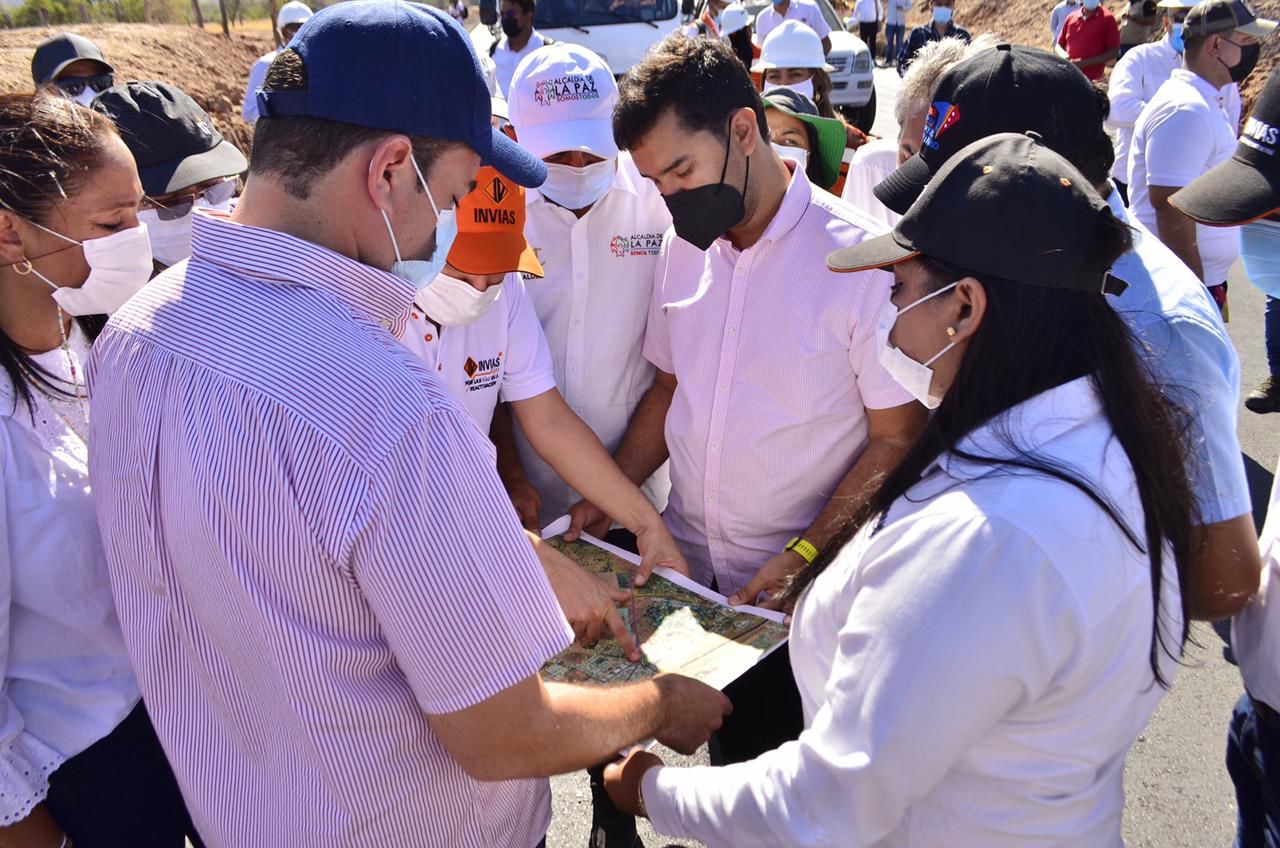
22	268
951	331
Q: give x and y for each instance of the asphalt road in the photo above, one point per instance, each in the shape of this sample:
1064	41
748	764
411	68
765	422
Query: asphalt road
1178	792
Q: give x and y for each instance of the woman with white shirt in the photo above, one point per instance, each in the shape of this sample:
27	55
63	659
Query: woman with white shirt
79	761
978	650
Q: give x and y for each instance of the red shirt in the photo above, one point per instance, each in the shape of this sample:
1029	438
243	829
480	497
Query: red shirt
1084	37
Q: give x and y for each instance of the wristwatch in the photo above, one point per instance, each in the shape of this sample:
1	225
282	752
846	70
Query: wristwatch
805	549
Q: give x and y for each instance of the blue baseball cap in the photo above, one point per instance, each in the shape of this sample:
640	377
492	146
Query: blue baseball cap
400	67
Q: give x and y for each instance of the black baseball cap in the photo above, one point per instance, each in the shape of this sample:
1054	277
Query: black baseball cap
1218	16
1007	206
1246	187
172	139
54	54
1010	88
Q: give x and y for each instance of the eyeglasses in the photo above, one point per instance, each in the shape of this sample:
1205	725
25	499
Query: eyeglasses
180	207
73	86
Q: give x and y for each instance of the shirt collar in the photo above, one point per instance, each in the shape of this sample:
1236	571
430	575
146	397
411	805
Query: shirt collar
1033	424
1211	95
794	204
277	257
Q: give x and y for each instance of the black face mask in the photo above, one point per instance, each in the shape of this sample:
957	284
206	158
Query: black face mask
510	26
703	214
1248	60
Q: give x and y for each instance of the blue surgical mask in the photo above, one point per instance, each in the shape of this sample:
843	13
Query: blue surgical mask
1175	38
1090	5
1260	252
422	272
778	2
942	14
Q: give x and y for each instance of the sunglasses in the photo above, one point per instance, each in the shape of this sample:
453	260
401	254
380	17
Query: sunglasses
73	86
180	207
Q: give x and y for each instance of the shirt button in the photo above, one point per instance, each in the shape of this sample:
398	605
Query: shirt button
440	367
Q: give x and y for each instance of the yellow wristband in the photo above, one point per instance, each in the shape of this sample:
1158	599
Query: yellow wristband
805	549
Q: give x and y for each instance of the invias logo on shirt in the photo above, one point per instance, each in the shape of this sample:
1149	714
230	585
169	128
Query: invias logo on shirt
482	373
637	244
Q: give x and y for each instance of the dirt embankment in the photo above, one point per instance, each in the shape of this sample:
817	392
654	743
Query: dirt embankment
1027	22
211	68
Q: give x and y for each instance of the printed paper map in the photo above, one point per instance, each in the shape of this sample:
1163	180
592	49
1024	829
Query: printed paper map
683	627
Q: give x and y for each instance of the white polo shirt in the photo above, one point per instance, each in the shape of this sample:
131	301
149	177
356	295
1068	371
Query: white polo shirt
1184	131
871	163
805	11
973	672
777	361
593	304
506	60
1135	79
501	356
1255	633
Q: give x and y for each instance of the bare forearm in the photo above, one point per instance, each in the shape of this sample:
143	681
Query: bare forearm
502	433
36	830
1100	59
1225	569
570	447
1178	232
857	487
644	447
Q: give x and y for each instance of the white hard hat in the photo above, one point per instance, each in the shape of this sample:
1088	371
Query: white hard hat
1176	4
293	12
792	45
734	17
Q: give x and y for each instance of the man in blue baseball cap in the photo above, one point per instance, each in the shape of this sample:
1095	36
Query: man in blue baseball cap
334	615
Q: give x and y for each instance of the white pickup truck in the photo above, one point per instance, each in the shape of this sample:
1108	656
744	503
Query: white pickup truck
622	31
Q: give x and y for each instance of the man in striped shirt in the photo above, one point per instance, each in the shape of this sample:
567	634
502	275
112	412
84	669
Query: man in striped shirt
334	616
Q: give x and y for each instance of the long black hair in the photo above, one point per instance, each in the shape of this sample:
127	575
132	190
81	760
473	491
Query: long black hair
48	146
1032	339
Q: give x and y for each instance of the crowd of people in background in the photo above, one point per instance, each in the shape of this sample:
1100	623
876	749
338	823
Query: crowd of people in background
279	433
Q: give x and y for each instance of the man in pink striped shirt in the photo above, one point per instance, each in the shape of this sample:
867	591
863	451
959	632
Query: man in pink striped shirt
335	618
769	398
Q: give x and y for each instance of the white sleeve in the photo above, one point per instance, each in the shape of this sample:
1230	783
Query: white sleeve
981	622
1125	91
817	22
1233	107
1175	149
257	74
528	371
25	761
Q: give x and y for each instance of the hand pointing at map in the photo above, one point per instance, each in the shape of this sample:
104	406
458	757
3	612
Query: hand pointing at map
588	602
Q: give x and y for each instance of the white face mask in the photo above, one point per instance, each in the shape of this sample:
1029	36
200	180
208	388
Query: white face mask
86	97
171	240
805	88
915	377
796	154
451	302
421	272
578	188
119	265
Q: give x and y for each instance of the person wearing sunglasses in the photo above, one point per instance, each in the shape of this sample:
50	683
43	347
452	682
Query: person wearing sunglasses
74	65
183	161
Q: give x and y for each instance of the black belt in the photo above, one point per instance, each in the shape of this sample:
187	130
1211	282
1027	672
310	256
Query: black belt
1265	714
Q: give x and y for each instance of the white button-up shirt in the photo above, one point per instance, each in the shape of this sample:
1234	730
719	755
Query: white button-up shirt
973	673
1255	633
1184	131
593	304
1181	336
804	11
501	355
871	163
68	681
505	60
1134	81
777	362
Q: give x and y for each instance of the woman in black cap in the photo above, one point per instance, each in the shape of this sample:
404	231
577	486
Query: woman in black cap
79	760
981	646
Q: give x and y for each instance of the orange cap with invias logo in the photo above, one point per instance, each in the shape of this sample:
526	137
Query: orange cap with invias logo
490	236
